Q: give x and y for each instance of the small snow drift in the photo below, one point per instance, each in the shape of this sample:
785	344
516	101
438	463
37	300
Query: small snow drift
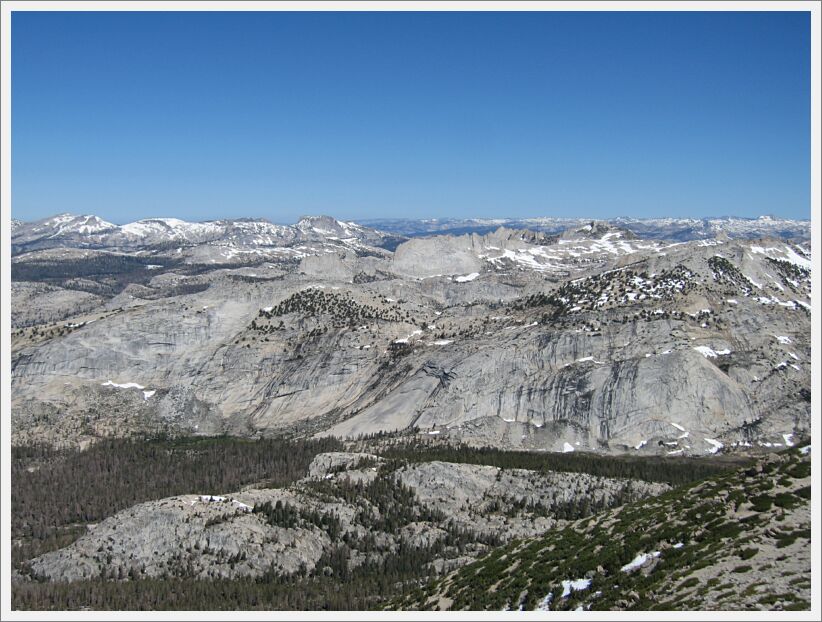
125	385
639	560
716	445
574	586
709	352
466	278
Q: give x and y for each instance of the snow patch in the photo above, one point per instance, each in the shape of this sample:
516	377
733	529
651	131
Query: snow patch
589	358
466	278
796	259
754	283
545	603
574	586
709	352
125	385
220	499
567	447
716	445
639	560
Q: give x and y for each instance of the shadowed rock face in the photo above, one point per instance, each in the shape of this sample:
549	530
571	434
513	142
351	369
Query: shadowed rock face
519	339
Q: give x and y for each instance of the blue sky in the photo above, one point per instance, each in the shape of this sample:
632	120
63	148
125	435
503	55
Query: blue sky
415	115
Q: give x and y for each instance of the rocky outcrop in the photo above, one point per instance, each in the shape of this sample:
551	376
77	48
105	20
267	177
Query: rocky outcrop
465	492
330	463
207	537
279	531
437	256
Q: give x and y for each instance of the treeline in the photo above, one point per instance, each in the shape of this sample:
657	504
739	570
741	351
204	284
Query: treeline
96	265
177	289
369	586
675	471
55	491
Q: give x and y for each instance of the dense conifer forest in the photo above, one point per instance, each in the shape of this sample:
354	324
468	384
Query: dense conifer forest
670	470
56	492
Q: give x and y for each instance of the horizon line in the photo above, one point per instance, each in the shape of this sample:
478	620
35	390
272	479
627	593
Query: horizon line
430	219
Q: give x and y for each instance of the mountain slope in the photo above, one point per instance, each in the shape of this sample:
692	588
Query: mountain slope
590	341
736	541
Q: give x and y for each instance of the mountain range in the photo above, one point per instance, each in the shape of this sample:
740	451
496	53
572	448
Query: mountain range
89	231
591	338
389	414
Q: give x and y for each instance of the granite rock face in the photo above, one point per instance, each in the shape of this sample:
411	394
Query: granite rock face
595	339
437	256
210	536
191	535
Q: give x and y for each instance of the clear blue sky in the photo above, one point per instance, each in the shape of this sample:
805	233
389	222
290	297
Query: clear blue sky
417	115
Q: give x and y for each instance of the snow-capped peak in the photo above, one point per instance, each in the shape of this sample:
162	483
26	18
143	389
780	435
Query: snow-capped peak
64	224
172	228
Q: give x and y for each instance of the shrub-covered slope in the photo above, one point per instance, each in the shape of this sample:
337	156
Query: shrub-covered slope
734	541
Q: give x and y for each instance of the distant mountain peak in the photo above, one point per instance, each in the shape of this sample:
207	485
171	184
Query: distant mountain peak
597	229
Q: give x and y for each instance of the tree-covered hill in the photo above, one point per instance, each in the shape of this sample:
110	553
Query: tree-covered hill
737	541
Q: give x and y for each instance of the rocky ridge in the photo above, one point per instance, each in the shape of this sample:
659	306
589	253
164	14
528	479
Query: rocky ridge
594	339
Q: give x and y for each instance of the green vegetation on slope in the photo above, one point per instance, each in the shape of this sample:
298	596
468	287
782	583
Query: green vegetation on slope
733	541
